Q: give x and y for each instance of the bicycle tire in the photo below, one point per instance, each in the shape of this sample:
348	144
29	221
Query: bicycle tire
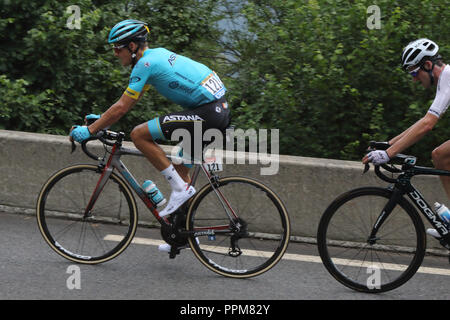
98	238
266	236
335	241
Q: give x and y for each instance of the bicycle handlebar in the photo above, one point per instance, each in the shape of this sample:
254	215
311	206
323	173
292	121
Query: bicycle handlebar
107	137
375	145
406	161
86	151
382	176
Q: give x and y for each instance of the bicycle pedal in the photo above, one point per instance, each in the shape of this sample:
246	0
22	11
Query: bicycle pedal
173	253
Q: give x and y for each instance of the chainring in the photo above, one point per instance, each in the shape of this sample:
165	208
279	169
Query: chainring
171	234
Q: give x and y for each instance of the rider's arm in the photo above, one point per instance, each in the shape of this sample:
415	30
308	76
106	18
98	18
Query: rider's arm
436	110
412	134
113	114
128	99
136	88
395	139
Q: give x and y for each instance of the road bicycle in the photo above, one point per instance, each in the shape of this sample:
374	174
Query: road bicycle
236	226
372	239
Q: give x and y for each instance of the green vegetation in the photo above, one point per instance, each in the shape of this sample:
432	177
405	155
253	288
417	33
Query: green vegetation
312	69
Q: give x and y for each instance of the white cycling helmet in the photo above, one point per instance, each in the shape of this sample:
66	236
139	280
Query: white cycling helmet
416	50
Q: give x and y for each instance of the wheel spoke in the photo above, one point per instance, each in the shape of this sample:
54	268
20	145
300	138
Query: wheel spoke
346	252
64	226
262	220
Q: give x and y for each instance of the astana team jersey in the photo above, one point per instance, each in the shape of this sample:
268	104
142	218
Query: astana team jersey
442	99
178	78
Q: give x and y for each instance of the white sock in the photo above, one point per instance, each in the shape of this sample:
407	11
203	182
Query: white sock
174	179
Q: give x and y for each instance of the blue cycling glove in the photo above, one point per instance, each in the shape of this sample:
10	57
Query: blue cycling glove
90	118
80	133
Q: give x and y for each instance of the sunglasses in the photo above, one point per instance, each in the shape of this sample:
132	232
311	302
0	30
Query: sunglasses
117	48
415	72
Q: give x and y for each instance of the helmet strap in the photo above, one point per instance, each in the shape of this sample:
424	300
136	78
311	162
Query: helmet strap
430	72
133	55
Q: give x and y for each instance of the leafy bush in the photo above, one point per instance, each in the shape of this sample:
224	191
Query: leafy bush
54	75
315	70
311	68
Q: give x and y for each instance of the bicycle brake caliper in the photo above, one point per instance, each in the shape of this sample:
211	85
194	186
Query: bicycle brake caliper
215	181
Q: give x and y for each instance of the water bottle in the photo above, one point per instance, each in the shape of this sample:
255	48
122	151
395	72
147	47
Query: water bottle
443	212
153	193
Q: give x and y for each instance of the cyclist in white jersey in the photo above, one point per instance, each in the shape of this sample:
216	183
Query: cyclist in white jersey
421	60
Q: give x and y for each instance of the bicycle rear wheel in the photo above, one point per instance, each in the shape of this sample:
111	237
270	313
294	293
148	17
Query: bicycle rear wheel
241	227
104	233
363	265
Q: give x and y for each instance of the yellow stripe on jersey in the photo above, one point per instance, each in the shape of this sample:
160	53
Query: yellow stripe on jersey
132	93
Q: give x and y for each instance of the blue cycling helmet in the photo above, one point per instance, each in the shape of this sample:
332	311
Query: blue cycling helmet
127	31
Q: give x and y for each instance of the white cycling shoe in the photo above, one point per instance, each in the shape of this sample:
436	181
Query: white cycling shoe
176	200
165	247
434	233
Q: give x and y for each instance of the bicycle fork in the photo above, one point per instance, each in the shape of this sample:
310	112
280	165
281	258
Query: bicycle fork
387	210
106	173
420	202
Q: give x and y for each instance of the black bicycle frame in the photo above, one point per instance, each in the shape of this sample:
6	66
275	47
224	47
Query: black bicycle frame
403	186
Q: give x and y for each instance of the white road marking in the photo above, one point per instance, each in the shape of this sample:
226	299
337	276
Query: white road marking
295	257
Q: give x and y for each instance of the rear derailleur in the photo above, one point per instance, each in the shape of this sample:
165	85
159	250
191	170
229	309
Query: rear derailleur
239	229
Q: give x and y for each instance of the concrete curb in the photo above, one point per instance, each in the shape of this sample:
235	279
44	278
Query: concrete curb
306	185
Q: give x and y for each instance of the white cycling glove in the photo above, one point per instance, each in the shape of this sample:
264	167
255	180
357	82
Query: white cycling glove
378	157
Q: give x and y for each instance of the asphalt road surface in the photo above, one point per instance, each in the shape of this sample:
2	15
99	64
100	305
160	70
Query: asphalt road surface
29	269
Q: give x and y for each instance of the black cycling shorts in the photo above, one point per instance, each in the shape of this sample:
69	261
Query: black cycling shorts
195	122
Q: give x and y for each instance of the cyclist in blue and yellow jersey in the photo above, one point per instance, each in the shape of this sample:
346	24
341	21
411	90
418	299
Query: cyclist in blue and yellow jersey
188	83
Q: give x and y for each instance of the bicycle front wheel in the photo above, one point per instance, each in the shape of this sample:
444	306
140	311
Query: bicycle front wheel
374	265
96	237
241	227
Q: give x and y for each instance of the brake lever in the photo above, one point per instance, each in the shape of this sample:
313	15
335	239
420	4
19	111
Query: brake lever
366	168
